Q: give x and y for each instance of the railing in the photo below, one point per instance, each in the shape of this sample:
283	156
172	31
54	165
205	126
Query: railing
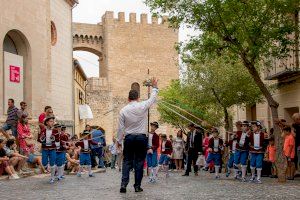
283	68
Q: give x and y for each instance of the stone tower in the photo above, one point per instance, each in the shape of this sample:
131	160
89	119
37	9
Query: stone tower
129	53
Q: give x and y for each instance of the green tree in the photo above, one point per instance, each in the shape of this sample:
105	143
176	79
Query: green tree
252	30
180	96
221	81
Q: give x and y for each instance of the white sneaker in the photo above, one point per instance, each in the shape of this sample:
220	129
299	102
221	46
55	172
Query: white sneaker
14	177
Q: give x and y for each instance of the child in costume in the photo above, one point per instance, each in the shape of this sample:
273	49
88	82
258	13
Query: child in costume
61	147
257	150
242	150
166	152
85	153
48	137
215	151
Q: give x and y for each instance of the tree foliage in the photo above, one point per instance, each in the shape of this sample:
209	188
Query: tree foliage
253	31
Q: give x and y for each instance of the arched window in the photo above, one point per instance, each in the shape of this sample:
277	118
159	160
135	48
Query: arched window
9	45
136	86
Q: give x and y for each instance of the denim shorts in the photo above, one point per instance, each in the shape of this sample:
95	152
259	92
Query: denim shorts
256	160
241	157
230	160
85	159
31	158
215	157
164	159
48	156
13	129
152	159
60	158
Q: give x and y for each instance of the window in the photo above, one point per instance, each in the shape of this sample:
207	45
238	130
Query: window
53	34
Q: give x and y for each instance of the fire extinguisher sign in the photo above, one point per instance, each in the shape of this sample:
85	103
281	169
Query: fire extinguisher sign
14	74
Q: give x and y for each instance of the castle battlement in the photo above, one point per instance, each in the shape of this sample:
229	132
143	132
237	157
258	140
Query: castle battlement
108	17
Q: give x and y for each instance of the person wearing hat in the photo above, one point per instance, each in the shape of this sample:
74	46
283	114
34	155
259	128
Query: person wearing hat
257	150
194	149
48	137
166	152
61	148
153	143
85	152
242	150
215	151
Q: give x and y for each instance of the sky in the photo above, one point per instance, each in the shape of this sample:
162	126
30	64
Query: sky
91	11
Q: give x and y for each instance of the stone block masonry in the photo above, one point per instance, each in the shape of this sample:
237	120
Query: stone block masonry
129	51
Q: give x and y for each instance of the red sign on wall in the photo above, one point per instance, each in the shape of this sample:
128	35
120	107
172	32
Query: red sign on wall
14	74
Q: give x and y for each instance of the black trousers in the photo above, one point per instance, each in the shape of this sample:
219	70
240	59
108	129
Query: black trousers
192	158
134	154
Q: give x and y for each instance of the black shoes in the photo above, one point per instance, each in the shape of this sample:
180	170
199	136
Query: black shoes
138	189
185	174
123	190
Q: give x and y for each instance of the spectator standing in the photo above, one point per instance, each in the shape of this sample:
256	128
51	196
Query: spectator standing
47	113
22	112
11	121
289	151
114	153
97	150
178	150
194	149
296	126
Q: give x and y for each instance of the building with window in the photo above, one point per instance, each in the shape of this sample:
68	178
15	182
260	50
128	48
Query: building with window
80	83
36	58
284	74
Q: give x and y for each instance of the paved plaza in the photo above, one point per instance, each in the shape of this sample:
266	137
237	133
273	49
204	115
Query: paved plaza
106	186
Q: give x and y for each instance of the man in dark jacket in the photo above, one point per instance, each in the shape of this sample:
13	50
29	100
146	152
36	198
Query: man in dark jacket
193	148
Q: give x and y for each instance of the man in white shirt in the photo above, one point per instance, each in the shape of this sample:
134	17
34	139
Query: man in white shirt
133	126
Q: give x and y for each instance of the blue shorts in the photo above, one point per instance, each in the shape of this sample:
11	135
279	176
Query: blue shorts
164	159
240	157
152	159
13	129
85	159
256	160
48	156
230	161
31	158
60	158
215	157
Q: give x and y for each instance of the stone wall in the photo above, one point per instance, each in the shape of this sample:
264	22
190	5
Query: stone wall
131	52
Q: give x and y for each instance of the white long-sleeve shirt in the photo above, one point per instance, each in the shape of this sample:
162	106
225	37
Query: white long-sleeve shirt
133	117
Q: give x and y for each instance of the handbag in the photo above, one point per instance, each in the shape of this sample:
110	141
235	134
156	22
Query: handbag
200	160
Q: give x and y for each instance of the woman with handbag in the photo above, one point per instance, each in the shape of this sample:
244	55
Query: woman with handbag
25	137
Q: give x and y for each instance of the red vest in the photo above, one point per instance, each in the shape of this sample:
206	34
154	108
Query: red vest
261	142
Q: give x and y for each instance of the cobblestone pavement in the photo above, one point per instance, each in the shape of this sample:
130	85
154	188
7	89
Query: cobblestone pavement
176	187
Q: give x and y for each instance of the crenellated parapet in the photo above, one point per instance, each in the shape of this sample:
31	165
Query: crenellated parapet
108	17
87	33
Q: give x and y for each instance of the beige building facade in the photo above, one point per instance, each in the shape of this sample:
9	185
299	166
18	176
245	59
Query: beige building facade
285	75
129	52
80	83
36	58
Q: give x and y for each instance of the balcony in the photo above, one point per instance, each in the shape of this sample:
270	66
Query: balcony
283	68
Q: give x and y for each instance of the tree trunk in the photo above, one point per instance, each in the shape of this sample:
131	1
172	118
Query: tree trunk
226	121
280	159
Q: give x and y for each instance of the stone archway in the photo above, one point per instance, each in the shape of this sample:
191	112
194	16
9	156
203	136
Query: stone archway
88	37
16	69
